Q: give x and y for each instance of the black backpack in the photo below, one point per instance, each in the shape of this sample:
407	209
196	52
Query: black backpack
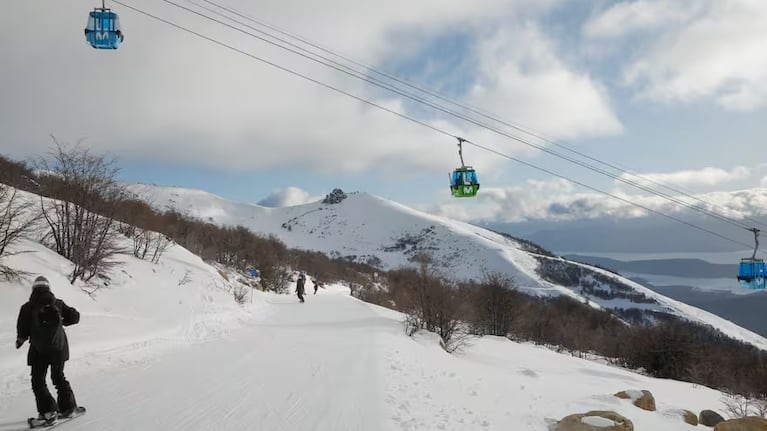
47	328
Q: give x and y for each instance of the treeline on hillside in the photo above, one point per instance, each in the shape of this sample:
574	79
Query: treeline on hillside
673	348
88	209
82	185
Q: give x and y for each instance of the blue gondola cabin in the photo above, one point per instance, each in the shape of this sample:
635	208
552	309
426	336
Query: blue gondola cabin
752	273
103	30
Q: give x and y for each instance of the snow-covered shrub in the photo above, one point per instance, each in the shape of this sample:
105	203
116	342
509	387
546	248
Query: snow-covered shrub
240	293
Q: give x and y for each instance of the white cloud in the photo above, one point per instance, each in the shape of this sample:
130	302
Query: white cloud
167	96
624	18
558	199
708	176
287	197
698	50
523	78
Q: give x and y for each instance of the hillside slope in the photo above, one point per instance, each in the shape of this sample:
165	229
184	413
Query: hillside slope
165	346
362	227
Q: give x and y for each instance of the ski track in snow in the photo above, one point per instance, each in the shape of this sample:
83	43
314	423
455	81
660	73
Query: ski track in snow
304	369
336	363
165	347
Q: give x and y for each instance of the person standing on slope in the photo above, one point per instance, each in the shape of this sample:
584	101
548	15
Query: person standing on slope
41	321
300	290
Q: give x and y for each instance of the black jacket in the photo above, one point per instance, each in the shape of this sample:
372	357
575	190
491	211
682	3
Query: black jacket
57	353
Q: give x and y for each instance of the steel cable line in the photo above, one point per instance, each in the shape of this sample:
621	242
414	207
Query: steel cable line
283	68
477	111
357	74
422	123
612	195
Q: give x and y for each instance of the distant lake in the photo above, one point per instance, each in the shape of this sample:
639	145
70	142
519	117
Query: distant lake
729	285
688	277
713	257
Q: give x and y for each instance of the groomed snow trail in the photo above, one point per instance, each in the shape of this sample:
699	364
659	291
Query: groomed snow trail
339	364
310	366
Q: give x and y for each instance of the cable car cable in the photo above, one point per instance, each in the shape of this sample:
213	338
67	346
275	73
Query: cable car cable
422	123
283	68
471	109
356	74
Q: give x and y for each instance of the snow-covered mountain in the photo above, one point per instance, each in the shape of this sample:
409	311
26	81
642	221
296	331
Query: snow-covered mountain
361	227
165	346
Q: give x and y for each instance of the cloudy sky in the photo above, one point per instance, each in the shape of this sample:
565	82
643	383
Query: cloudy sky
673	89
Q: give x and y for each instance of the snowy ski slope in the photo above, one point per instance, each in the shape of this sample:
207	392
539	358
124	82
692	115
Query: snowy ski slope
165	347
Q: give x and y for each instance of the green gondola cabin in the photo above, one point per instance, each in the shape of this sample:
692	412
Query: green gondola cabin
464	182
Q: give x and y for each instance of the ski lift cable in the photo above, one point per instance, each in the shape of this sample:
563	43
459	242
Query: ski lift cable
478	111
612	195
421	122
356	74
282	68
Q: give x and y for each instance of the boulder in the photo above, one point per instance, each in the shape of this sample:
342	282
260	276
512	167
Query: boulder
709	418
685	416
595	421
749	423
642	399
690	417
334	197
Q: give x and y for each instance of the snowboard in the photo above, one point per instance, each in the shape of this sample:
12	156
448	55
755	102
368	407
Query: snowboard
41	423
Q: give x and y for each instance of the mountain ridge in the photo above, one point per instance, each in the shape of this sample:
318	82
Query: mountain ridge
370	229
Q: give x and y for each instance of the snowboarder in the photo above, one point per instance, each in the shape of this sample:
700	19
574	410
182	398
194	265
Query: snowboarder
300	287
316	285
41	321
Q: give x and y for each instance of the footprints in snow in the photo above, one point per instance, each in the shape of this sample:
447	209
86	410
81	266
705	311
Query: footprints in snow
417	398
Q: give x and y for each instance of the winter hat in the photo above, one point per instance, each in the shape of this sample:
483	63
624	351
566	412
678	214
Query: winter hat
41	283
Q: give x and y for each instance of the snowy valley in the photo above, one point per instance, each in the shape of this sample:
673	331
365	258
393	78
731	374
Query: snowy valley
366	228
165	346
504	215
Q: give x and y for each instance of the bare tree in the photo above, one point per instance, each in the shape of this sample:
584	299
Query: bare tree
141	239
739	406
84	197
158	245
276	278
495	303
431	303
16	220
146	241
449	309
